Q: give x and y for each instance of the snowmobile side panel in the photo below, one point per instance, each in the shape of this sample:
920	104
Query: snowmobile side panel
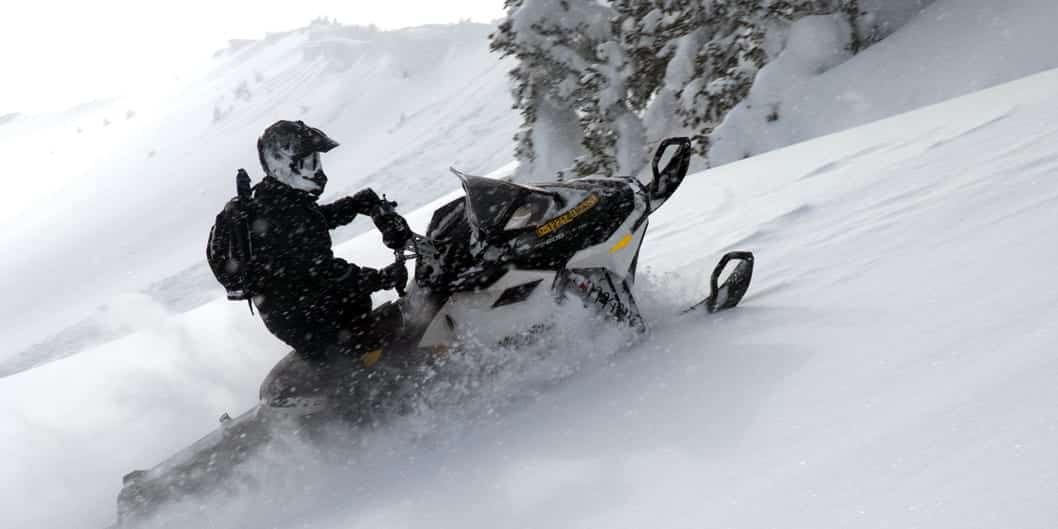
596	209
492	322
617	252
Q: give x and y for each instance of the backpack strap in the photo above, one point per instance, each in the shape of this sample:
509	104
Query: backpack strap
244	199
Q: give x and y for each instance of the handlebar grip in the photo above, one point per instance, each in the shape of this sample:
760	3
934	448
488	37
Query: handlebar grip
401	289
683	145
386	206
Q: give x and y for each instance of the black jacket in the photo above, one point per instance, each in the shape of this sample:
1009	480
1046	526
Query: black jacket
307	297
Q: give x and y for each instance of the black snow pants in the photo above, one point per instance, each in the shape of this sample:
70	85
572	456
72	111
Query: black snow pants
346	373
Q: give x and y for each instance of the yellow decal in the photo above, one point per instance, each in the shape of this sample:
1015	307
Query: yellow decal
621	243
371	357
554	224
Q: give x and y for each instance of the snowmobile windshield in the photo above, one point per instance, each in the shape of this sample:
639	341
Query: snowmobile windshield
495	206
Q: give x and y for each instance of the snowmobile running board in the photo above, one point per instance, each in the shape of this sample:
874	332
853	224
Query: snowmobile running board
730	293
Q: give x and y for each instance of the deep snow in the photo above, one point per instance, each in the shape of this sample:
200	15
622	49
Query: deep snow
892	365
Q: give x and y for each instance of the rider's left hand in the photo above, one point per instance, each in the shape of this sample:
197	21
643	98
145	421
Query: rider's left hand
365	201
394	276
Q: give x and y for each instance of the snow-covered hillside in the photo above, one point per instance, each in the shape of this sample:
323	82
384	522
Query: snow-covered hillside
114	199
950	48
892	366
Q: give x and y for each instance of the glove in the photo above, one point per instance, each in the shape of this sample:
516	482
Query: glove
365	201
393	276
394	229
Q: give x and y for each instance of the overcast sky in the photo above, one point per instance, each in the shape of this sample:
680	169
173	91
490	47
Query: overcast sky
56	53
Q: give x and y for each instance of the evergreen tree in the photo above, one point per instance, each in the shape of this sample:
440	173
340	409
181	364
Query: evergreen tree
722	45
644	33
594	79
568	85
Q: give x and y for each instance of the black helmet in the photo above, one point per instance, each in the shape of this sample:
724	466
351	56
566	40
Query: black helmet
290	152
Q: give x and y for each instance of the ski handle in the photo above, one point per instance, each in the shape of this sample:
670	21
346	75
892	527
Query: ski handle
683	143
729	294
728	257
244	194
665	180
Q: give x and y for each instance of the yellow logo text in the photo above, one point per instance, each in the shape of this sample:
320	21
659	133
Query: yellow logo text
554	224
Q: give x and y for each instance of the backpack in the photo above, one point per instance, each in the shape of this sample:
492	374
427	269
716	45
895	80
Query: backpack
229	250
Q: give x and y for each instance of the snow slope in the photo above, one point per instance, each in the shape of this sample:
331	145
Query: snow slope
126	190
951	48
892	366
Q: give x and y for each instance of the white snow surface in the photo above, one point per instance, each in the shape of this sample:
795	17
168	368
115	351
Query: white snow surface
951	48
892	366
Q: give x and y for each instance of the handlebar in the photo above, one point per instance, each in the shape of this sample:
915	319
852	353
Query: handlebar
385	205
410	251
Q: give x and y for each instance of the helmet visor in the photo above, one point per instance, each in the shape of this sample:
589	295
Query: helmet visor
312	140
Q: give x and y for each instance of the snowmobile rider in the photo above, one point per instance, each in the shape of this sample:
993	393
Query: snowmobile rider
317	303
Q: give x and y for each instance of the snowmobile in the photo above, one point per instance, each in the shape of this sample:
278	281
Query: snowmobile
493	264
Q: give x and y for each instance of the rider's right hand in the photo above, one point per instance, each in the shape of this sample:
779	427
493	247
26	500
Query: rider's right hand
394	276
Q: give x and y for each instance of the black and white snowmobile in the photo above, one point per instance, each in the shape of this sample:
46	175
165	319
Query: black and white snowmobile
491	264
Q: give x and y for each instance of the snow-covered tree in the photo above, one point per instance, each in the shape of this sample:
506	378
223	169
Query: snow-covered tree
724	43
614	135
714	49
568	85
644	33
697	59
594	79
